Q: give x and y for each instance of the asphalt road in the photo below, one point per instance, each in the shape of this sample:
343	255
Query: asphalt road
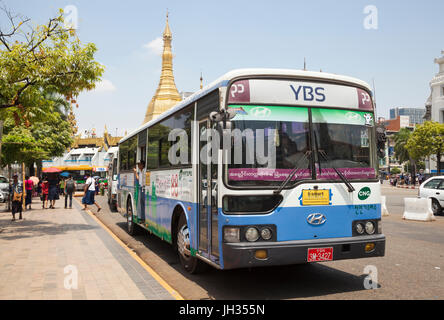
411	269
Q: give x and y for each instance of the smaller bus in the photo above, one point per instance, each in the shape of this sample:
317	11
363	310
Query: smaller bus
112	178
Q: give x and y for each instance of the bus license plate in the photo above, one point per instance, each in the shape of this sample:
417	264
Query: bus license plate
319	254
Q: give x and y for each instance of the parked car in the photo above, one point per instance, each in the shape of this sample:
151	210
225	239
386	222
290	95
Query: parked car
433	188
4	189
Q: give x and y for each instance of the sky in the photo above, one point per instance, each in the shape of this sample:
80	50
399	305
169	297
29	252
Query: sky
394	52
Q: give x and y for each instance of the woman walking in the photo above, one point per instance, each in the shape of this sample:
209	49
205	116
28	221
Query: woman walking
16	189
53	193
89	193
45	191
29	185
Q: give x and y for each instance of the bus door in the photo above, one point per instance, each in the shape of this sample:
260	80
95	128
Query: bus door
208	216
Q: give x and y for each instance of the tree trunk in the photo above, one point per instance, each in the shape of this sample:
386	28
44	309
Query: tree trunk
413	170
31	169
10	195
438	163
39	168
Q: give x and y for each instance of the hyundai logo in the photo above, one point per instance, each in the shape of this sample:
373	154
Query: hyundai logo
316	219
260	112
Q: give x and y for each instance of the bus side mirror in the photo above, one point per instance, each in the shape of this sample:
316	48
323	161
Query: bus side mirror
381	139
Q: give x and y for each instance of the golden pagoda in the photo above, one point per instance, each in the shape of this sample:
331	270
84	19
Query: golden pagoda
166	95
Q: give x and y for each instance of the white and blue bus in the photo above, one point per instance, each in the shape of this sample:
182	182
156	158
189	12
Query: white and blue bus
319	200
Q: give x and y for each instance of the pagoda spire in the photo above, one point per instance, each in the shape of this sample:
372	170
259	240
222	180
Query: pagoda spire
166	95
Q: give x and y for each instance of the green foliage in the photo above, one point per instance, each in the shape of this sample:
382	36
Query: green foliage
401	138
42	69
426	140
395	171
419	165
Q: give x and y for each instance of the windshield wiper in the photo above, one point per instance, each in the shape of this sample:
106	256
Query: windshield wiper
348	184
293	172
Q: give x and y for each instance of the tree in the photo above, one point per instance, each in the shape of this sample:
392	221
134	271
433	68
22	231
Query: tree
43	69
427	140
401	138
47	58
401	152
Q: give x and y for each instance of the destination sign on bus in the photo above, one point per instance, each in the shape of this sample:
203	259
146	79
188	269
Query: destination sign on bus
299	93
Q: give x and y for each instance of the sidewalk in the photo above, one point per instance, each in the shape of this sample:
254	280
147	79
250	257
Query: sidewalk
34	253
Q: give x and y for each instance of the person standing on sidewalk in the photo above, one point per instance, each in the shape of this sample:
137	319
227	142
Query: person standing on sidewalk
17	197
62	186
53	194
89	193
70	187
29	185
45	191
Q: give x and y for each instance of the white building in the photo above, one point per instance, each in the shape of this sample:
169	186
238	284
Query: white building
435	103
435	106
83	159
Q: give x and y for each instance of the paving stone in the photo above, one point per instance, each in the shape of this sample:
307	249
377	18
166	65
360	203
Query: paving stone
35	254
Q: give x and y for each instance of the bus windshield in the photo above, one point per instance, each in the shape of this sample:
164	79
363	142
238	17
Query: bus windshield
340	139
345	139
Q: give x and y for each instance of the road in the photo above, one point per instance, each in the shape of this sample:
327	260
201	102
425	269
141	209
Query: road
411	269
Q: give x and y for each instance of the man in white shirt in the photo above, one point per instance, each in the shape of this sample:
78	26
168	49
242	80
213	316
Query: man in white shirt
89	193
140	172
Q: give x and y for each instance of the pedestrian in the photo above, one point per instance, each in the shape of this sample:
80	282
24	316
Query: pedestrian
53	193
39	188
62	186
70	187
45	191
96	182
29	186
89	193
16	189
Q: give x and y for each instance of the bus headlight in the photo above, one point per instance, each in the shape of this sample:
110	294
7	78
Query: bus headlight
359	228
251	234
231	234
369	227
266	234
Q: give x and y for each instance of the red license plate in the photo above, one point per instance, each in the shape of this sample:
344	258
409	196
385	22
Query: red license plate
319	254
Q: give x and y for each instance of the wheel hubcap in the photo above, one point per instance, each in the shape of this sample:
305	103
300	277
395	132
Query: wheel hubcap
183	242
129	218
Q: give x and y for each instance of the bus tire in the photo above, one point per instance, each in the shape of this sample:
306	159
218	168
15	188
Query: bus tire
131	227
191	264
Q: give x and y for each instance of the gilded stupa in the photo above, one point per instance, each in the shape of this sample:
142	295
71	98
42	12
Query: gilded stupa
166	95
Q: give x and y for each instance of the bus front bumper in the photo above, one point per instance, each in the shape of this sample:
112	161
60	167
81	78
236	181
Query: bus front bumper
242	254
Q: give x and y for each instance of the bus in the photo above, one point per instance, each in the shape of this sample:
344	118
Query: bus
278	167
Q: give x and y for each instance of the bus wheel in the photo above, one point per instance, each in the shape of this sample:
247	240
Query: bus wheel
191	264
130	225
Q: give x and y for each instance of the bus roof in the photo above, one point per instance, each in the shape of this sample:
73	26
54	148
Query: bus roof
256	72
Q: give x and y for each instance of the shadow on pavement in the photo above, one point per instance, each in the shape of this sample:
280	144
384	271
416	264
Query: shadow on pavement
21	229
274	283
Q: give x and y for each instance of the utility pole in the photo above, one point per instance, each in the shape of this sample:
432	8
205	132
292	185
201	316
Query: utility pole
23	187
1	139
